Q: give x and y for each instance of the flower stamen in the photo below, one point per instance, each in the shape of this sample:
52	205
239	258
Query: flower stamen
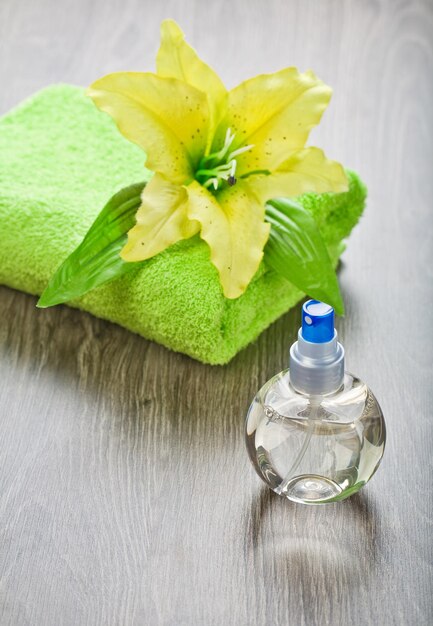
218	168
240	151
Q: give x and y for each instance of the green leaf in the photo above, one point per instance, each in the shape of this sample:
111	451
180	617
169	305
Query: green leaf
97	260
296	250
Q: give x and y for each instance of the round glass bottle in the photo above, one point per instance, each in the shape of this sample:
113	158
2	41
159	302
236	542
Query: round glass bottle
315	447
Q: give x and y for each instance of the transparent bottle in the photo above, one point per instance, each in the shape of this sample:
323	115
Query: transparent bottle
315	433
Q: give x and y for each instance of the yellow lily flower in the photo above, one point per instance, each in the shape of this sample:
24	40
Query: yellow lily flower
217	155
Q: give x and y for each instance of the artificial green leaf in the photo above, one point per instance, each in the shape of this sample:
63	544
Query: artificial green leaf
97	260
296	250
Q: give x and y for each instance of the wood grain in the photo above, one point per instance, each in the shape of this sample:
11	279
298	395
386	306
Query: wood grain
126	496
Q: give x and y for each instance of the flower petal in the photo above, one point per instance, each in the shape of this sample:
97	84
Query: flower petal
233	226
166	117
161	220
275	113
177	59
304	171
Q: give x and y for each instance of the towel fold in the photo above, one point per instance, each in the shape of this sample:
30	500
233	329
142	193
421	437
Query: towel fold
60	161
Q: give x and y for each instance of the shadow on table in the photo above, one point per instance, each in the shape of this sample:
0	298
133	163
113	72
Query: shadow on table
72	352
334	544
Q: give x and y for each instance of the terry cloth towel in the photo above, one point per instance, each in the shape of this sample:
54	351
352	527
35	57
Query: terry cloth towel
60	161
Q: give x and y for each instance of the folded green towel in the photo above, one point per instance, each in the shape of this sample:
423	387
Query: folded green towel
60	161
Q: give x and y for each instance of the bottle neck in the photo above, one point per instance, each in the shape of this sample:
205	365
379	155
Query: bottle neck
316	368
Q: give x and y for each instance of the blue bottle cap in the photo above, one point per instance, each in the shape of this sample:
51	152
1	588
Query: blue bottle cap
317	321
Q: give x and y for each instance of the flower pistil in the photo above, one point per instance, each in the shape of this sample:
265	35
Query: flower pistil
218	168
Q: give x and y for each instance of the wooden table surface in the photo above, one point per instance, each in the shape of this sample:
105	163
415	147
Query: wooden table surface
126	495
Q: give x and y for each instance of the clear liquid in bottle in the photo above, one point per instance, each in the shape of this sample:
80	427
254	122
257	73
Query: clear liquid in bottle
315	433
315	449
